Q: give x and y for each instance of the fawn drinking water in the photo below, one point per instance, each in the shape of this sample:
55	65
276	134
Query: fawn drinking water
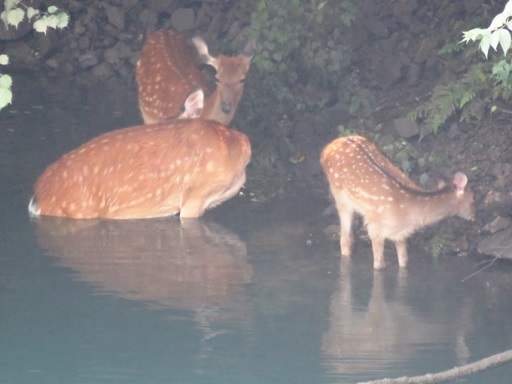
363	180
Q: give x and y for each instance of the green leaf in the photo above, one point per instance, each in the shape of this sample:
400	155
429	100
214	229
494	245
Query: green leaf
466	97
473	35
52	9
10	4
505	40
4	59
5	91
41	26
5	97
63	20
51	21
450	48
485	44
5	81
31	12
497	22
15	17
501	71
495	39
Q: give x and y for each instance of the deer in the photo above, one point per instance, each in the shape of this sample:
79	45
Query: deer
166	72
362	180
187	165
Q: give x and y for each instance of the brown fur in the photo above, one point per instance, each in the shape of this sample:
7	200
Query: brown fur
167	73
186	166
363	180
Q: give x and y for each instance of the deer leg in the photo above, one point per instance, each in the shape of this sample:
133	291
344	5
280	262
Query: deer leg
346	235
192	208
378	251
401	250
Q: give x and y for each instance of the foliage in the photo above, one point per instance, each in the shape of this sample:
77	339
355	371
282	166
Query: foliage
437	245
490	81
497	34
5	84
298	41
13	14
450	48
297	29
447	99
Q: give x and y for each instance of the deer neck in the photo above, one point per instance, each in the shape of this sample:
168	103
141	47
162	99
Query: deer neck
429	207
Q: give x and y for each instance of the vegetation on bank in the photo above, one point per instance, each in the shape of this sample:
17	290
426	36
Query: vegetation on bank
16	12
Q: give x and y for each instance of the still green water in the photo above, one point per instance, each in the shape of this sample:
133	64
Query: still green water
251	293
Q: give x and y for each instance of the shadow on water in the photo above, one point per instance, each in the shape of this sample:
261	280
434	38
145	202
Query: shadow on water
251	293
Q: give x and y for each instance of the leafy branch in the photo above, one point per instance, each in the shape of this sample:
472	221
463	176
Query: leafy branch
459	96
497	34
15	12
448	99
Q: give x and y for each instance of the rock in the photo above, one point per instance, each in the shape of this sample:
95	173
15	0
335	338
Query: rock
46	42
74	6
78	28
459	245
498	245
391	71
454	131
115	16
160	5
52	63
426	49
495	200
413	75
376	27
502	170
148	19
88	59
183	19
370	7
404	13
103	70
84	43
406	128
498	224
60	62
471	6
128	4
359	35
118	52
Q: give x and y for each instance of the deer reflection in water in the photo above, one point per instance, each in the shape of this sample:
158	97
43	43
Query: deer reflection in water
383	335
190	265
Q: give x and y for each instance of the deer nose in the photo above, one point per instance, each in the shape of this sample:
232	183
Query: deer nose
227	107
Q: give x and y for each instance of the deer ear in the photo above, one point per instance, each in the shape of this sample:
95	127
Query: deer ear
249	49
193	105
202	50
460	180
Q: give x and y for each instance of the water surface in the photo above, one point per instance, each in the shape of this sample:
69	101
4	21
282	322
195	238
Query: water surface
250	293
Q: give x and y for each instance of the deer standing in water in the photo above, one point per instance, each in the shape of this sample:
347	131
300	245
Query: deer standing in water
185	166
363	180
167	72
